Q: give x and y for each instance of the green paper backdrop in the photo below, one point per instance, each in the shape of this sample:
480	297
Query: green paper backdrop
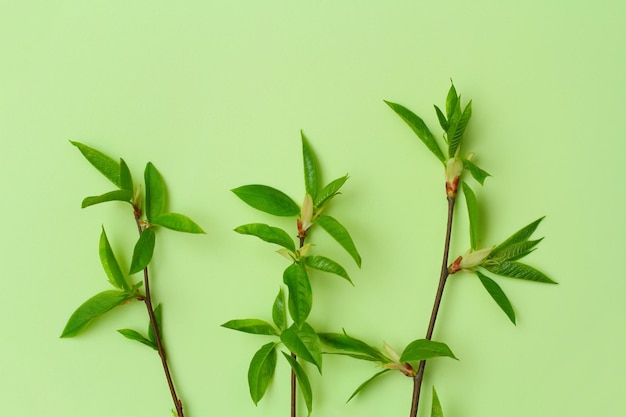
214	93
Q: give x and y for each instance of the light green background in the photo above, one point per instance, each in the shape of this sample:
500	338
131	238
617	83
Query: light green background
214	94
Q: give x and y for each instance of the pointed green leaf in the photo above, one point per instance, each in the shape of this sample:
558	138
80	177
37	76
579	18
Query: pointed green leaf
442	119
342	341
340	234
300	293
366	383
436	410
92	308
311	168
303	382
423	349
269	234
261	371
126	180
329	191
327	265
116	195
178	222
155	192
103	163
279	312
419	127
478	174
158	315
305	343
135	335
110	264
451	101
457	129
514	251
521	235
498	295
518	270
472	211
253	326
143	251
267	199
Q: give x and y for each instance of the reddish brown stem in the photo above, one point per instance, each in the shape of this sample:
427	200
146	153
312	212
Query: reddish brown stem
301	237
419	376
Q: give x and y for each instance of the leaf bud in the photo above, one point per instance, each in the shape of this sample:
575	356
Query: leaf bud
470	260
454	168
306	216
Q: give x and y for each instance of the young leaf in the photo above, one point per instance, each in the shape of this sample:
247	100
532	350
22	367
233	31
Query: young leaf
303	382
305	343
178	222
116	195
135	335
498	295
261	371
515	251
103	163
329	191
92	308
279	313
267	199
158	318
521	235
457	129
300	293
423	349
478	174
110	264
340	234
518	270
342	341
126	180
451	101
268	234
311	170
366	383
436	410
442	119
155	192
472	211
254	326
327	265
144	249
419	127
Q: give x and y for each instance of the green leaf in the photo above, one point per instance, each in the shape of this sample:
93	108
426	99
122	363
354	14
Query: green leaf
158	315
300	293
126	180
155	192
116	195
279	313
268	233
92	308
144	248
451	101
340	234
472	211
303	382
515	251
478	174
177	222
305	343
366	383
457	129
267	199
135	335
261	371
436	410
419	127
327	265
254	326
521	235
311	168
329	191
103	163
442	119
498	295
423	349
110	264
342	341
518	270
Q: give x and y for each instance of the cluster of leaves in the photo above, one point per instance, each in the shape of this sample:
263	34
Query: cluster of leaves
299	336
